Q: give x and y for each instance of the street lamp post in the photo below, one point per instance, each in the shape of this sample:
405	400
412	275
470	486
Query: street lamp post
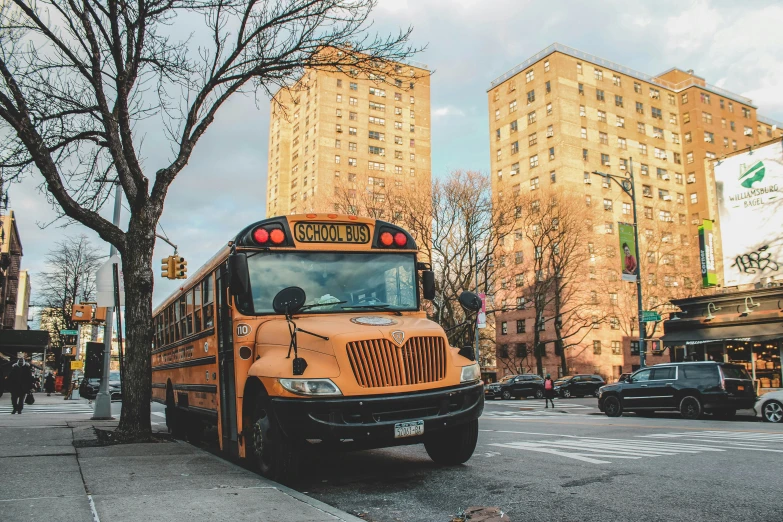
626	183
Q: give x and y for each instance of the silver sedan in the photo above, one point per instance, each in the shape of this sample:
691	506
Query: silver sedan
770	406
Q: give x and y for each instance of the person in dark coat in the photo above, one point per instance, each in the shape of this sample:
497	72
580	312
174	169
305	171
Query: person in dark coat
49	384
549	391
19	383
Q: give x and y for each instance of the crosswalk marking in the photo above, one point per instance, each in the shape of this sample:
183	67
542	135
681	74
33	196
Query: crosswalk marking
598	450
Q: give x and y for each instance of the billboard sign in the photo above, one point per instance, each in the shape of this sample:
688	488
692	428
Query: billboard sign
707	255
750	206
630	263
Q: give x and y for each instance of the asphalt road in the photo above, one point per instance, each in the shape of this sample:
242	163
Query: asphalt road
572	463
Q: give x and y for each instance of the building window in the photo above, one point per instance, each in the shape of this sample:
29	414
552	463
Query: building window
548	109
656	113
602	116
552	177
686	118
709	137
531	97
618	100
503	328
534	183
548	87
621	122
582	112
581	89
608	205
534	161
706	117
584	154
614	322
642	149
621	143
578	68
599	95
645	168
337	159
598	74
640	107
550	131
551	153
616	350
626	209
694	197
514	169
530	76
513	127
648	212
520	322
531	117
515	147
512	106
605	162
689	157
609	227
532	139
640	127
584	133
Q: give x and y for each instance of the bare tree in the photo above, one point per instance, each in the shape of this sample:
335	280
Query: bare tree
78	77
70	275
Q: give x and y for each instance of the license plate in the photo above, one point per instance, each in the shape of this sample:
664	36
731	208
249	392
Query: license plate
408	429
740	388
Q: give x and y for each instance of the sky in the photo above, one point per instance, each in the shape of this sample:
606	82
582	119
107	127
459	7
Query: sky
468	44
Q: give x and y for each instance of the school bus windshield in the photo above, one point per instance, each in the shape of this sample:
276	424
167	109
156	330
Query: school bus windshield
335	282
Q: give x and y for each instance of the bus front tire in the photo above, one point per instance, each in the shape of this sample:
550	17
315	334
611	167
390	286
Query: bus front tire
452	446
275	456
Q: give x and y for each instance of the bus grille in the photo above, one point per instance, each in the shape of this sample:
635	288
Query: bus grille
379	363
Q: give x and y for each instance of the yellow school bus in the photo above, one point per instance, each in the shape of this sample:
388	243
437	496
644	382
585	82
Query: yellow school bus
307	332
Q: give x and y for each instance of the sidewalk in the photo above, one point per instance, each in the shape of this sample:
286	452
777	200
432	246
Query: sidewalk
45	477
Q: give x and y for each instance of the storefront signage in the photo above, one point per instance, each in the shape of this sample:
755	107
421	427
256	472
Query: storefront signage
750	206
707	253
630	263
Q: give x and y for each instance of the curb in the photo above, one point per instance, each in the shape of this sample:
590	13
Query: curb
301	497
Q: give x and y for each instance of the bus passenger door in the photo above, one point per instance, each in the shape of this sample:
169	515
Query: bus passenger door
228	404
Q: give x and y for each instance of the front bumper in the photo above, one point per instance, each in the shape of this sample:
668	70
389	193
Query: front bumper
489	393
370	420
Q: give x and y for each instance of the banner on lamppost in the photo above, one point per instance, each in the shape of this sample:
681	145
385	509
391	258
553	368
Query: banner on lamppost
630	267
481	319
750	206
707	254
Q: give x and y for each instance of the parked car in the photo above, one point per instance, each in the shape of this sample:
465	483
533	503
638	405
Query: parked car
770	406
578	385
515	386
692	388
89	388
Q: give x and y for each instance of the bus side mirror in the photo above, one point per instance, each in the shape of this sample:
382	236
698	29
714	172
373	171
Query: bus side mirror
428	284
239	277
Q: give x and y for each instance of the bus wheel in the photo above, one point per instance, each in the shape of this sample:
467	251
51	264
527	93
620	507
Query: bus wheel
275	456
454	445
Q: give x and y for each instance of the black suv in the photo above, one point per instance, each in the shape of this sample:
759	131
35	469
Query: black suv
528	385
578	385
692	388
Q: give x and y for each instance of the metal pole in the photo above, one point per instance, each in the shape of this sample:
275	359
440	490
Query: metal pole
103	399
639	301
475	326
76	300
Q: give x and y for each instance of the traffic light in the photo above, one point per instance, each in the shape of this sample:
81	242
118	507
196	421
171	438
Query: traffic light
167	267
180	268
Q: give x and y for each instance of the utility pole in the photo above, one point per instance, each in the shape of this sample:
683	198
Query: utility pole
103	399
626	183
475	327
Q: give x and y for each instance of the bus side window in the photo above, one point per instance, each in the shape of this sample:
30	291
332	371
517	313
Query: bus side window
208	296
197	308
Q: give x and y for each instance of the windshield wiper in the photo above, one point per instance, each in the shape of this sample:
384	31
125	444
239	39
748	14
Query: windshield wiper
314	305
381	307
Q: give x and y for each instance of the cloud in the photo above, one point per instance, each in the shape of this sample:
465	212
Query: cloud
448	110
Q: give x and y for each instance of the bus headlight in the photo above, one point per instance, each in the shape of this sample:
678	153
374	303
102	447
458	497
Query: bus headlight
311	386
470	373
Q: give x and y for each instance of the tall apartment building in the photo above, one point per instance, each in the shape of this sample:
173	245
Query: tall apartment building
562	114
337	135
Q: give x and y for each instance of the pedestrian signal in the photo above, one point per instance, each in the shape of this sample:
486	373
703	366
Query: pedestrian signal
167	267
181	268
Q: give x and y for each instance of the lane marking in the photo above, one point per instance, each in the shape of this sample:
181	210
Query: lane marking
621	426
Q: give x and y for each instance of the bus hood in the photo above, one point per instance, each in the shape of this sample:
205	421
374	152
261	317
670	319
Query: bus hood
344	328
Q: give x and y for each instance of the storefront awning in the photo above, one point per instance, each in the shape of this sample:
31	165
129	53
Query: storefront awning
753	332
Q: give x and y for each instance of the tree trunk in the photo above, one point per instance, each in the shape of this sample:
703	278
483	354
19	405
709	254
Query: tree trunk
137	384
537	349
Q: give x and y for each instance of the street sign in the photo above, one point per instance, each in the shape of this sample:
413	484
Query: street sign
650	317
104	283
69	332
77	365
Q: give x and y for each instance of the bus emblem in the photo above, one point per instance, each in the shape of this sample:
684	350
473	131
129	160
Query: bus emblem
398	336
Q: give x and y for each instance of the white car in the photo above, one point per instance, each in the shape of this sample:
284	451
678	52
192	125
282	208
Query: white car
770	406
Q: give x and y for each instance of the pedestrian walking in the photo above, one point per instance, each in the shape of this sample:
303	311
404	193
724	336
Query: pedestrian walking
49	384
549	391
19	383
